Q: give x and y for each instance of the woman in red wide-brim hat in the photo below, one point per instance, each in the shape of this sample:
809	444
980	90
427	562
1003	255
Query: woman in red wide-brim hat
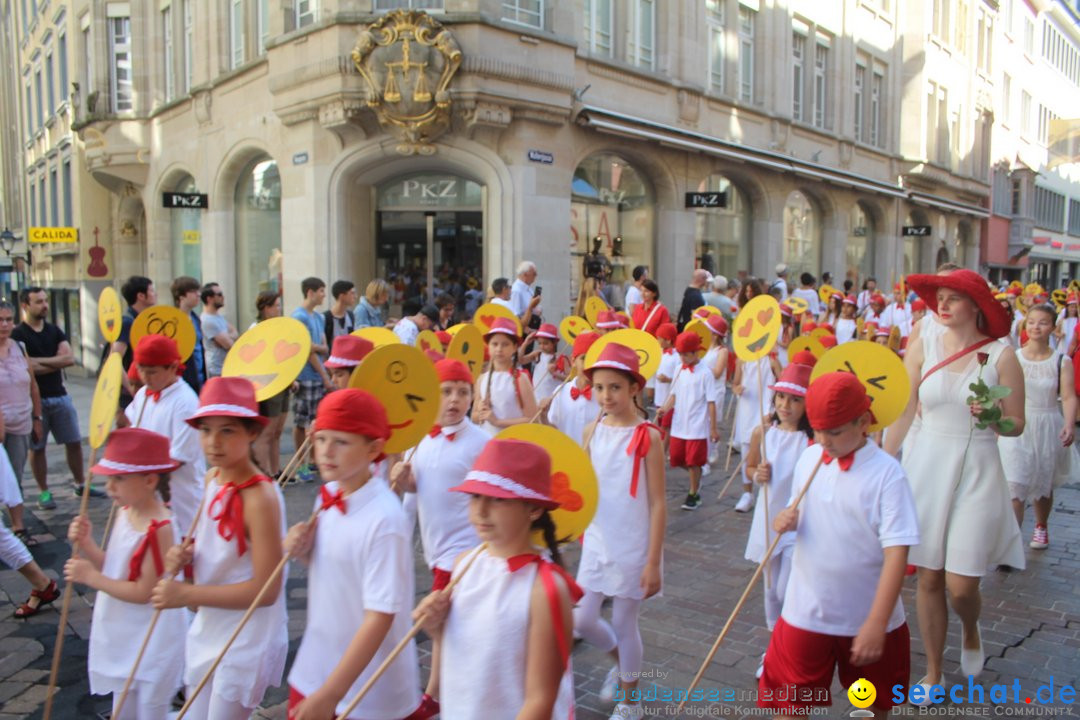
965	516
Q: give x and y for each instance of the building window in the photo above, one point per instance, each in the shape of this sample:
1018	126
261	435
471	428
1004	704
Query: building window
860	245
984	40
1006	99
43	216
120	78
722	235
525	12
802	235
1029	36
50	85
877	82
747	18
1010	15
307	9
598	26
714	15
1049	210
40	101
859	101
167	37
641	33
798	78
61	58
88	63
33	204
1046	119
1074	217
383	5
189	30
54	196
262	23
821	89
960	26
257	212
941	19
185	226
1025	112
1016	196
236	32
65	180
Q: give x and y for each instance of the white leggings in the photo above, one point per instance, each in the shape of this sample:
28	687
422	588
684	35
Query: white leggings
623	632
209	706
141	703
779	572
12	551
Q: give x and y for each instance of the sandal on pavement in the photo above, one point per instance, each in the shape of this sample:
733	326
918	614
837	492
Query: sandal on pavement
44	597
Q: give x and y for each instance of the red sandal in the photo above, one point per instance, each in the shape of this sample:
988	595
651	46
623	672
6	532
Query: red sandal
44	597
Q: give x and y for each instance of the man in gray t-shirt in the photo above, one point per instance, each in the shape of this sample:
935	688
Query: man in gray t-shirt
218	334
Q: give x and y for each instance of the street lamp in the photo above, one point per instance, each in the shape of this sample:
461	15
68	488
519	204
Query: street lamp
7	244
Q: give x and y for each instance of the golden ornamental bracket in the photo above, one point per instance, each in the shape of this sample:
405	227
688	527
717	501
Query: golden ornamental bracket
407	59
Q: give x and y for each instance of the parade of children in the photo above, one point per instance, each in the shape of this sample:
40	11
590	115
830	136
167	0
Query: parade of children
507	530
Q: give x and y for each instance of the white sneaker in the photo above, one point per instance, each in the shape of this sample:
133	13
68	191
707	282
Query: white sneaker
611	681
746	503
706	469
628	711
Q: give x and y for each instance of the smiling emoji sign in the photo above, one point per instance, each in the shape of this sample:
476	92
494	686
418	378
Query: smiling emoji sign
270	355
106	397
756	328
572	326
862	693
108	313
405	382
467	345
168	321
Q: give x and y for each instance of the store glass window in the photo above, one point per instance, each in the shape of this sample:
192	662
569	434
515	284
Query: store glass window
185	229
258	235
859	257
802	235
722	233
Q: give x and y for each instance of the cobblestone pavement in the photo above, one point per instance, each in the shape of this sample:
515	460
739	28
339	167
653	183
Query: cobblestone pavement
1030	619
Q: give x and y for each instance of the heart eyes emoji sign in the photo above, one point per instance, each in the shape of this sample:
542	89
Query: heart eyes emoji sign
572	326
405	382
270	355
108	311
757	328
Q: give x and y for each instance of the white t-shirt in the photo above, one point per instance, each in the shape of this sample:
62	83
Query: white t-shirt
719	383
407	330
503	303
693	390
571	416
845	522
633	297
361	561
544	382
781	284
811	297
439	465
669	363
521	294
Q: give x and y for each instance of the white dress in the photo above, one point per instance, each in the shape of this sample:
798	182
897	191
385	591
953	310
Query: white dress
256	659
504	397
748	410
845	330
117	628
545	383
782	448
616	544
1035	462
966	521
485	644
1068	329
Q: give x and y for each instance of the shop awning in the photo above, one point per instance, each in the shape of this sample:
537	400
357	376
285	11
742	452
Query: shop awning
616	123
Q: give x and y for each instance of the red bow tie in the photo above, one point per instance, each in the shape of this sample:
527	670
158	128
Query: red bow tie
227	509
575	393
437	429
844	462
154	395
332	499
669	351
149	542
689	368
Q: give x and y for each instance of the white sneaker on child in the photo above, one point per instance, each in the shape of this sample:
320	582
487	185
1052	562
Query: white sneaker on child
628	711
611	681
745	504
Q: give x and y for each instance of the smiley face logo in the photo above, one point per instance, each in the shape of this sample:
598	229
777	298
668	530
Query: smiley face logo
572	326
467	346
862	693
167	321
106	397
269	355
879	369
109	317
756	328
428	340
405	382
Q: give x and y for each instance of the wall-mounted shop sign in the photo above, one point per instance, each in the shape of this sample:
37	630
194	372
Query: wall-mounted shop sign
186	201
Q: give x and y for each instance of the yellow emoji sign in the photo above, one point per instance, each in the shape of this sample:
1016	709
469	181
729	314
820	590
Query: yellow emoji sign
106	396
698	326
820	332
405	382
825	292
706	310
168	321
467	346
808	343
109	314
1059	296
572	326
593	307
797	305
879	369
862	693
270	355
486	314
573	480
645	345
377	336
428	340
756	328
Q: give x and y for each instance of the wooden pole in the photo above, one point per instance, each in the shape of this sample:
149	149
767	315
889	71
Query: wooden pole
400	646
295	461
108	526
558	390
764	456
746	593
58	648
738	469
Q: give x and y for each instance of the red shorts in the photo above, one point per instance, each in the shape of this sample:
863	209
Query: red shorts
439	579
295	698
689	453
800	663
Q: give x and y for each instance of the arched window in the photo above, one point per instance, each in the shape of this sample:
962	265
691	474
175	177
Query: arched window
258	234
722	233
860	245
913	244
611	201
185	229
802	235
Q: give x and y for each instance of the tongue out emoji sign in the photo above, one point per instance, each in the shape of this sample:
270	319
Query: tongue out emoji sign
756	328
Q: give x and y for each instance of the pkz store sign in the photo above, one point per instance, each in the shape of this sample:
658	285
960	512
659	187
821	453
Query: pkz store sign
185	201
706	199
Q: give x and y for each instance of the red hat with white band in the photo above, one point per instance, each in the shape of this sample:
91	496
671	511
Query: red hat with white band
547	330
227	397
511	470
608	320
131	451
804	357
883	331
618	357
583	342
794	380
503	326
850	300
348	351
717	324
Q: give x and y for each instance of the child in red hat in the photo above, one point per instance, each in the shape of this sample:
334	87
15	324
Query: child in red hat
549	368
716	360
504	394
137	466
669	363
237	545
845	324
441	462
360	575
506	630
609	321
842	607
161	405
623	566
574	407
347	352
693	420
787	436
1065	332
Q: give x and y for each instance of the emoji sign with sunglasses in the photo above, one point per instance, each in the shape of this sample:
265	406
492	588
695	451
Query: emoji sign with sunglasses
168	321
108	312
756	328
405	382
270	355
